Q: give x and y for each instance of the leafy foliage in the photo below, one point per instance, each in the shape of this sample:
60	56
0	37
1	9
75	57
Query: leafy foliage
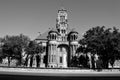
13	46
32	49
104	42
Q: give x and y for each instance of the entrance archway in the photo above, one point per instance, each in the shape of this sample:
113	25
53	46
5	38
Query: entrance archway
63	50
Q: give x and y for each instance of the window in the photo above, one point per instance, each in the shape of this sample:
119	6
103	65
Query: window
58	30
51	66
52	58
61	49
74	37
60	59
55	37
64	31
49	58
52	36
52	47
62	18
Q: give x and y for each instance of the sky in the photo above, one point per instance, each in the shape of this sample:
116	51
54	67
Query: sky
32	16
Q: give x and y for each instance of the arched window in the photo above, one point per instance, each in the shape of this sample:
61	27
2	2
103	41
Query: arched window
55	36
52	36
62	31
62	18
71	37
52	47
61	59
60	49
58	30
74	36
49	58
49	37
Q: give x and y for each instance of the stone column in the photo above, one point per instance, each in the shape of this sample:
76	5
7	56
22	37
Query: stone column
48	53
57	56
41	60
42	64
72	50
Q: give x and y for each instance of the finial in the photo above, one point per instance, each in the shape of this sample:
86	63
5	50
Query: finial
39	33
62	8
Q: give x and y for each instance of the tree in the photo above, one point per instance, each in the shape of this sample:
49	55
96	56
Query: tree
1	54
13	46
74	61
82	56
104	42
32	49
7	50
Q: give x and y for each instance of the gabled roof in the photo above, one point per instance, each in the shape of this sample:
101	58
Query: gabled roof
43	36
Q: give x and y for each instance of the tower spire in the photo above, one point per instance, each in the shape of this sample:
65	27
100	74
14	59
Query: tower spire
62	23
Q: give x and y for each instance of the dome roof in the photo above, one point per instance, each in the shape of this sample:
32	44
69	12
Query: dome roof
53	30
73	31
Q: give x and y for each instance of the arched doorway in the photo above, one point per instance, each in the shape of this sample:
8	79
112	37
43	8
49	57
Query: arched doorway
63	50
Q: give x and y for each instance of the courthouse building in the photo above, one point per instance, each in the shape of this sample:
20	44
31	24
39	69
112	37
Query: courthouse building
60	43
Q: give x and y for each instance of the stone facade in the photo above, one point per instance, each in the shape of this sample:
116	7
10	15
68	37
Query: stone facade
60	43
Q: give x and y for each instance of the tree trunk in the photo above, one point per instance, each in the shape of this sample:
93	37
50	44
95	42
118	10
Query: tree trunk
20	60
105	64
93	62
9	61
31	61
112	61
26	61
38	60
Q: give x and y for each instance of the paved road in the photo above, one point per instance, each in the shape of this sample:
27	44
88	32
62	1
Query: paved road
57	72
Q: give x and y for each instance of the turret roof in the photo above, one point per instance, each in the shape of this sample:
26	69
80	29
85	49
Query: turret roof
53	30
